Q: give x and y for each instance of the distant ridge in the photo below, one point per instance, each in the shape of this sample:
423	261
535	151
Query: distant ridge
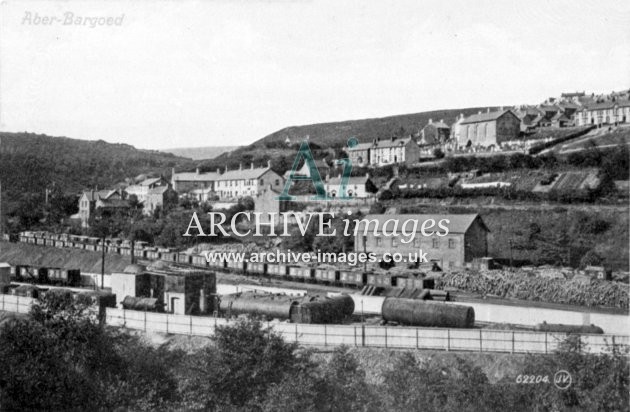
32	163
200	153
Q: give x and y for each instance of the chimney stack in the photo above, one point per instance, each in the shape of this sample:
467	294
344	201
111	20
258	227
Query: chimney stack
252	166
441	120
488	110
430	121
218	171
240	166
269	163
225	169
479	112
197	170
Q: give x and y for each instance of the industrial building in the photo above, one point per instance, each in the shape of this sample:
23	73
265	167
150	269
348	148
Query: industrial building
467	238
175	290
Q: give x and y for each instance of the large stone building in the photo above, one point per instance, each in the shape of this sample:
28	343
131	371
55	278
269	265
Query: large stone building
467	238
490	129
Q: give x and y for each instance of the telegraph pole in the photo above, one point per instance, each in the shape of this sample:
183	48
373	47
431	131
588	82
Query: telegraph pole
1	221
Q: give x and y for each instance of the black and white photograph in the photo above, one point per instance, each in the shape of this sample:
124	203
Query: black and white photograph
315	205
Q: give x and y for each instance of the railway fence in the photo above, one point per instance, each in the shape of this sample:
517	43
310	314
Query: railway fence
395	337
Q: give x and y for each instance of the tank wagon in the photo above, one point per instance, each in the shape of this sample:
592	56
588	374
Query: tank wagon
142	304
309	309
577	329
426	313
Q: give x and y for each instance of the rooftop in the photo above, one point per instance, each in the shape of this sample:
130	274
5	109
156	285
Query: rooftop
485	117
456	224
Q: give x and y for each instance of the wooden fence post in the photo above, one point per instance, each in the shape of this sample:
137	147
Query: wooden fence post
385	336
167	323
545	342
448	340
417	339
355	336
325	336
296	333
512	341
145	320
480	342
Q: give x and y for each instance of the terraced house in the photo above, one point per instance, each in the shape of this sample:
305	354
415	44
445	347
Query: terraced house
234	184
394	151
604	113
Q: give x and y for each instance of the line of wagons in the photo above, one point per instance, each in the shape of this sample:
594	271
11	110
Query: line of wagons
324	275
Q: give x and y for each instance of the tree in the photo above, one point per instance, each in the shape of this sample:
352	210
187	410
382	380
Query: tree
62	359
591	258
246	361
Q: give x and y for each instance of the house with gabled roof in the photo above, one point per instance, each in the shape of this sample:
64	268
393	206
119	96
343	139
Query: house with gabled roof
186	182
434	133
490	129
141	189
467	237
359	187
603	113
403	150
90	200
233	184
360	154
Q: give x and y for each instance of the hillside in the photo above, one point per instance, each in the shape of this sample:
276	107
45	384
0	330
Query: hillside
332	135
200	153
30	163
336	134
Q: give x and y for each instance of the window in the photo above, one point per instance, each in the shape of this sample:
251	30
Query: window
277	182
436	243
262	182
451	243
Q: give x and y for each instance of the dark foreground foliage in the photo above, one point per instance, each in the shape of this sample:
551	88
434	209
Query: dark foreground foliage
60	359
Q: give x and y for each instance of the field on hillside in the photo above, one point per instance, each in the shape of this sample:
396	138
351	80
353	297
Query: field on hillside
599	138
553	235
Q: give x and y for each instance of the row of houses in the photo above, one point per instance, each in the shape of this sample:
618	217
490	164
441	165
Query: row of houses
484	129
488	130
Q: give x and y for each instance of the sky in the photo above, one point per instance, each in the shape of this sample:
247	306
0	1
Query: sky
170	74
